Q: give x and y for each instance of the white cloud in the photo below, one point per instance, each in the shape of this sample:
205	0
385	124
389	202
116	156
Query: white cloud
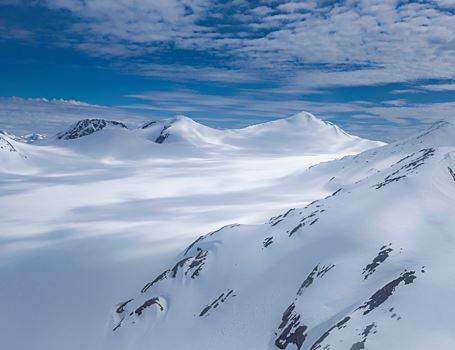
23	116
385	41
439	87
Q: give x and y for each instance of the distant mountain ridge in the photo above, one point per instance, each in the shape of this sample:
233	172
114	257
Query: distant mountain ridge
302	132
87	127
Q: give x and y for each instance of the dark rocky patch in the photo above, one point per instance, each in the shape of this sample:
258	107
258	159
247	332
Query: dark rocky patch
296	228
178	266
221	299
292	330
366	332
197	263
121	307
163	135
307	220
87	127
148	303
221	229
451	173
379	259
120	310
339	325
160	277
145	126
405	158
378	298
386	292
407	168
324	269
334	193
318	271
388	180
267	241
193	244
277	219
308	281
193	265
117	326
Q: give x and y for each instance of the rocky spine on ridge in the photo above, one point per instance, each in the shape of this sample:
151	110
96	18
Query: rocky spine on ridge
87	127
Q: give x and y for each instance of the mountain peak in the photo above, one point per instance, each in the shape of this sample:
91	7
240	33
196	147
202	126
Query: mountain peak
302	116
87	127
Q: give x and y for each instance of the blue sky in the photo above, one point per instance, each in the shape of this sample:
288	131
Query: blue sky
380	69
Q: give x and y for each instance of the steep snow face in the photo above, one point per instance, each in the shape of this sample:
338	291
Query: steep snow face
87	127
367	267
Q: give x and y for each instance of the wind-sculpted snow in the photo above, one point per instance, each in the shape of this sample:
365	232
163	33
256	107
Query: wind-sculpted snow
348	271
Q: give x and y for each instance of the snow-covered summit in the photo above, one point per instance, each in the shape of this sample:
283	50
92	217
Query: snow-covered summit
302	132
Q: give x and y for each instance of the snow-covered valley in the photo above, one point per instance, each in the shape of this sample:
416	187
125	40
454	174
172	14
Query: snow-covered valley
97	225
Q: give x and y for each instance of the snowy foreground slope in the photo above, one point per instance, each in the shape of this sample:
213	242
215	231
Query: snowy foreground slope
368	267
89	214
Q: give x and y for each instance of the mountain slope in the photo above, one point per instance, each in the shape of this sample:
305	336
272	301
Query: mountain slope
350	271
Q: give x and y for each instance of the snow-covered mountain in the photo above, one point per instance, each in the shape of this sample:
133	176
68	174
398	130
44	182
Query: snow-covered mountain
299	134
87	127
302	132
368	267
